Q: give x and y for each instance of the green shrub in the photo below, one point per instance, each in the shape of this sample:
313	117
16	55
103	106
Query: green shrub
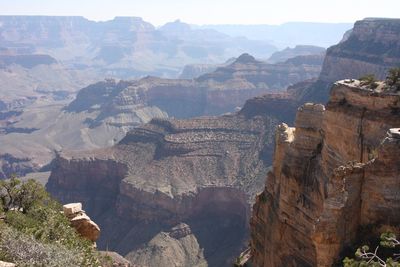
393	78
369	80
35	227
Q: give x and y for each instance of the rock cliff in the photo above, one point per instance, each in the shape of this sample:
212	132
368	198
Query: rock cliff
214	93
372	47
335	172
204	172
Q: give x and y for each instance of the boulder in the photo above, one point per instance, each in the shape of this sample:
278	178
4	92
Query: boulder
81	222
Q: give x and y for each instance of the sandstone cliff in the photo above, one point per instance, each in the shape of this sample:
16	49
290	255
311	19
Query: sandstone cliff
372	47
335	172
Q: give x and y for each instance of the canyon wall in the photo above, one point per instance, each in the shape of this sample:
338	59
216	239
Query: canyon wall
335	172
204	172
372	47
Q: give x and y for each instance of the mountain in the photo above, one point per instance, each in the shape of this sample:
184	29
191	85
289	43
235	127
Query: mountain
298	50
335	173
289	34
125	47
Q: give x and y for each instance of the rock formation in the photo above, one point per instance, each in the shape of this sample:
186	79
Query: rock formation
335	172
372	47
211	94
81	222
204	172
176	248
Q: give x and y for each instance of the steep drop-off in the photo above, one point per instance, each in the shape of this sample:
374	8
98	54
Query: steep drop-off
335	172
204	172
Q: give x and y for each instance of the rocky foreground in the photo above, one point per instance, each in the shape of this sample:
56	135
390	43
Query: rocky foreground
334	173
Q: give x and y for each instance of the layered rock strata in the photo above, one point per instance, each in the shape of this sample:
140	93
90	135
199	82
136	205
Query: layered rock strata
214	93
204	172
372	47
335	172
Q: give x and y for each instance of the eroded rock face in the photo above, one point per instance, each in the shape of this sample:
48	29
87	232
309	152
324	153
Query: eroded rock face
176	248
81	222
332	174
204	172
372	47
214	93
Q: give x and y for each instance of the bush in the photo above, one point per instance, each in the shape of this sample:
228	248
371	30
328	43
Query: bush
35	227
393	78
21	196
369	80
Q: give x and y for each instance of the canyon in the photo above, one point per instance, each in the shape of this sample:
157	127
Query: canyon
169	187
204	172
103	112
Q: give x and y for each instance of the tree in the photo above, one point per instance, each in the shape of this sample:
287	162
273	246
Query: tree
367	258
21	196
393	78
368	80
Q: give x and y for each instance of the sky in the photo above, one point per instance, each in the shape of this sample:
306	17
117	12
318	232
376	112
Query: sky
201	12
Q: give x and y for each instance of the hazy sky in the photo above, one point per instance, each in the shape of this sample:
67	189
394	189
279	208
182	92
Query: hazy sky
210	11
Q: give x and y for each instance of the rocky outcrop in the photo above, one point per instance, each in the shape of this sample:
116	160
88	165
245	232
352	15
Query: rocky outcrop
204	172
372	47
335	172
176	248
81	222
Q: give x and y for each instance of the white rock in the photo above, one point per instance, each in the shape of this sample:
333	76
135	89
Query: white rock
72	208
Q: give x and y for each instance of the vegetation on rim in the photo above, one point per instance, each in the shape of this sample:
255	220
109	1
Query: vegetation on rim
34	231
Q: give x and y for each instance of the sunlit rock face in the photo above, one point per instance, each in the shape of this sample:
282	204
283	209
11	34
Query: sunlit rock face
337	170
372	47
